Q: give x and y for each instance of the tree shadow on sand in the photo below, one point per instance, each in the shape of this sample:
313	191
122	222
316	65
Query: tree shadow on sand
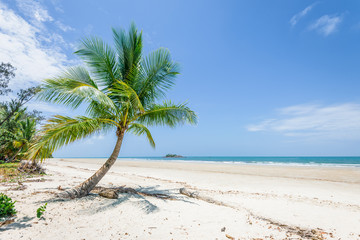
18	224
144	197
146	205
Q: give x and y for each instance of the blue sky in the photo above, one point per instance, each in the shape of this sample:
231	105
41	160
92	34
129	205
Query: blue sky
267	78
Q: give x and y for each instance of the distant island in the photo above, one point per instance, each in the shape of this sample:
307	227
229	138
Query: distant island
173	156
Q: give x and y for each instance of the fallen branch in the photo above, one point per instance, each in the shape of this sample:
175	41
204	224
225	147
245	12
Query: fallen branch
7	221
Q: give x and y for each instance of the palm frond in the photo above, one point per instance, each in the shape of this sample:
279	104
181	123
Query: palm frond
98	110
126	93
72	88
101	58
139	129
62	130
19	143
168	114
158	74
129	50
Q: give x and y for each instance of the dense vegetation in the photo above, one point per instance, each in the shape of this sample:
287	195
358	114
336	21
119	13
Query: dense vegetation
17	123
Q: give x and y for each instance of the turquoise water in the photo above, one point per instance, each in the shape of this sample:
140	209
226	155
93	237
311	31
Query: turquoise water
330	161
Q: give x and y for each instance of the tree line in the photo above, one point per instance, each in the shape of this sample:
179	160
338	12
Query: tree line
17	124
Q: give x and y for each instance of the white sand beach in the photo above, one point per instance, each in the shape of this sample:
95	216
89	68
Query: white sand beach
251	202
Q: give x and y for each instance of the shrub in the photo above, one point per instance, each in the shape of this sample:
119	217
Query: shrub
7	207
40	211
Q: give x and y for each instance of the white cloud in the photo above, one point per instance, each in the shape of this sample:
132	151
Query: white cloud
57	5
326	24
35	11
46	107
33	49
94	139
328	122
296	18
63	27
38	14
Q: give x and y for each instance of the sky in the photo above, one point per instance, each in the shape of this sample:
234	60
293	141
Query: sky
266	78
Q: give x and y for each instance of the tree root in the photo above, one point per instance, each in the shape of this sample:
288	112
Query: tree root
113	192
71	193
314	234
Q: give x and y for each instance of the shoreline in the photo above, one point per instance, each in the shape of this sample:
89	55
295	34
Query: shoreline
254	163
324	173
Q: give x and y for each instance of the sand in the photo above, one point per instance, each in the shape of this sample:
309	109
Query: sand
258	202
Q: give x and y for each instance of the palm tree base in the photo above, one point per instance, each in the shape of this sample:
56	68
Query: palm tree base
72	193
84	188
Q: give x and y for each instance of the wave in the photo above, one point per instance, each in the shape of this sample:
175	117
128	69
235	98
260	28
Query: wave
276	161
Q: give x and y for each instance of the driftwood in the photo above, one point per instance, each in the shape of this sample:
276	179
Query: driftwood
7	221
114	192
109	193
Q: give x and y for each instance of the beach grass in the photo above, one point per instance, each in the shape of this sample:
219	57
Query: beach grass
9	173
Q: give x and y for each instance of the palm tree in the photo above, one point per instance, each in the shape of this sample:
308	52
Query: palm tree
24	136
10	131
120	91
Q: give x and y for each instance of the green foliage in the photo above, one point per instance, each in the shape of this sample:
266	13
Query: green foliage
17	124
40	211
7	206
120	90
18	133
9	172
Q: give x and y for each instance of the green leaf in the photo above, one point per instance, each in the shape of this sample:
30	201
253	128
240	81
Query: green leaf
168	114
129	50
158	74
101	58
73	88
62	130
139	129
122	90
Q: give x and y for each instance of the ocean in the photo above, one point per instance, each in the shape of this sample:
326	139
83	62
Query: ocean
307	161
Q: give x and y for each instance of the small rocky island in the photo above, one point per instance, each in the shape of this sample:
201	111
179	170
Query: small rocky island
173	156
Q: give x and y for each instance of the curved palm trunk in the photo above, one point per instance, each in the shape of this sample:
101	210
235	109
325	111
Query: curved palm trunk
84	188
